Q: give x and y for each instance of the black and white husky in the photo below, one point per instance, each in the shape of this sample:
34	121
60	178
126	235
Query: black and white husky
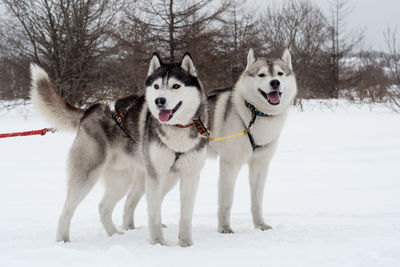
146	151
259	102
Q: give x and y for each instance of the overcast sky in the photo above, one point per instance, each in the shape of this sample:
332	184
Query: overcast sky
371	15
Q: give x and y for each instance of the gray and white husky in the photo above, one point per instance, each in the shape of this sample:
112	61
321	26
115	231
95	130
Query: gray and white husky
146	152
259	102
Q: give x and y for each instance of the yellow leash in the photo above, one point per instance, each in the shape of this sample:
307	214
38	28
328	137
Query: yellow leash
228	137
206	133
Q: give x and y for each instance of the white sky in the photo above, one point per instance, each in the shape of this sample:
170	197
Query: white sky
371	15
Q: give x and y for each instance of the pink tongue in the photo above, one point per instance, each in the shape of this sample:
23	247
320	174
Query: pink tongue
274	97
164	115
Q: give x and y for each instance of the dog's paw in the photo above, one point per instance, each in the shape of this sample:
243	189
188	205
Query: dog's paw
185	243
64	239
115	232
225	230
158	241
128	227
263	227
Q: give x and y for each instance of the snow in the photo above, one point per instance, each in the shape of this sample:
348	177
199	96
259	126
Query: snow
332	197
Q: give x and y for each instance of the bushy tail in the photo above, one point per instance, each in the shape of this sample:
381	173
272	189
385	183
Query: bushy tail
61	114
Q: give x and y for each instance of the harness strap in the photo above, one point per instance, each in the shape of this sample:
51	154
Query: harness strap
206	133
253	144
178	155
254	114
118	117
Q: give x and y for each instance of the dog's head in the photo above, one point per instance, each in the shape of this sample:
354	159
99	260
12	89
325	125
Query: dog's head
173	91
269	84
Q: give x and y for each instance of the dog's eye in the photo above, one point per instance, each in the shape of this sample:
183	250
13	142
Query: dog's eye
176	86
261	75
280	73
156	86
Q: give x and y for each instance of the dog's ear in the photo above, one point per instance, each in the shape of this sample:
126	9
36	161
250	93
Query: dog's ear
287	58
188	65
250	58
155	63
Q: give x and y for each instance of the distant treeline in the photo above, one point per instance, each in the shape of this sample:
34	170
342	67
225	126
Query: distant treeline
100	49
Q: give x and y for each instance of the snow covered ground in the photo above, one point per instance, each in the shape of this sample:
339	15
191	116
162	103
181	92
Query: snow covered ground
332	197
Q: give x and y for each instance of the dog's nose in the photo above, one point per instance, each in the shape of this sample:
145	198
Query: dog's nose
275	84
160	101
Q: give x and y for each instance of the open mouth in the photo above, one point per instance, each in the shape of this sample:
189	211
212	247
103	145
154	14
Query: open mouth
166	114
274	98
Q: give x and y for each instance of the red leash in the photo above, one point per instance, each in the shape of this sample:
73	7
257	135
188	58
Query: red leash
28	133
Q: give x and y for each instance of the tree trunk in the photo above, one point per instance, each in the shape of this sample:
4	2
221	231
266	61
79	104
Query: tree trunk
171	31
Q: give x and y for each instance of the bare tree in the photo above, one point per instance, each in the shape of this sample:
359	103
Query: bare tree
134	42
14	79
171	19
238	34
93	48
69	39
392	60
342	41
300	26
368	82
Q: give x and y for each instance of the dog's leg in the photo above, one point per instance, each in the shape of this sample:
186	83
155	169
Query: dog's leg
257	176
258	170
153	197
188	190
117	184
77	190
136	192
84	168
167	185
226	188
76	193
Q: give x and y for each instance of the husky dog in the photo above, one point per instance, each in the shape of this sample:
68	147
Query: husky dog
146	145
259	102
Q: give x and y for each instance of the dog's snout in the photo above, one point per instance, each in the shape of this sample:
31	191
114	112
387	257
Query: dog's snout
160	101
275	84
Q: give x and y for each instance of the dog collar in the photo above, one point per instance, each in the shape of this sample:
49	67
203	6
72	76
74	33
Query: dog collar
256	111
184	125
199	125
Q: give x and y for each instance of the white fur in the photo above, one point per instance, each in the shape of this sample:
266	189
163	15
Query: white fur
37	74
236	152
56	113
188	65
155	63
136	192
189	96
177	139
250	58
161	157
287	58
